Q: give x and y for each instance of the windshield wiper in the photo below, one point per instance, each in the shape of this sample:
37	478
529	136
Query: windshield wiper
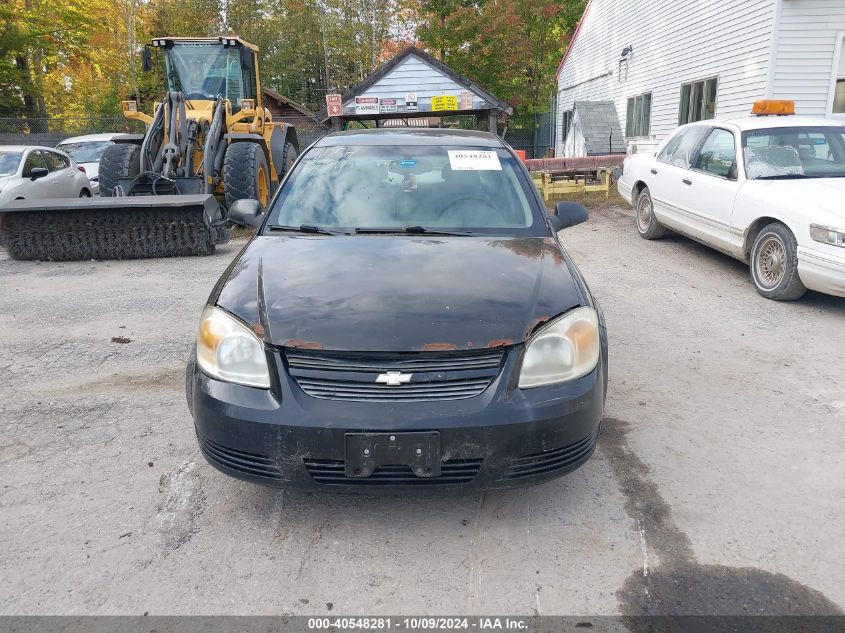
302	228
783	177
413	230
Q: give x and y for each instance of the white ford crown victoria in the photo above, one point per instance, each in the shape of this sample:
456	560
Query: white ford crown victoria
769	190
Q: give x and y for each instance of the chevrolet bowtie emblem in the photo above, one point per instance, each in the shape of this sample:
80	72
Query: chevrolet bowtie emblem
393	378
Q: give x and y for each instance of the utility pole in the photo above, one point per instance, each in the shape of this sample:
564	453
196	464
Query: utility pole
322	8
129	13
373	37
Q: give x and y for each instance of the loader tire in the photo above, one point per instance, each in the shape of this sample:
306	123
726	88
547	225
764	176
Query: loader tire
121	160
245	174
288	158
81	234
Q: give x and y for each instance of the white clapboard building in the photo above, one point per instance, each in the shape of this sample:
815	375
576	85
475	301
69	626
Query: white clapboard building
661	63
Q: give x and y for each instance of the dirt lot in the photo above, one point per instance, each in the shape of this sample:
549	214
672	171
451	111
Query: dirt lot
718	486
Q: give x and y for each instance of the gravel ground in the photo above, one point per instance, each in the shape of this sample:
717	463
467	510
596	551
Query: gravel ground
718	485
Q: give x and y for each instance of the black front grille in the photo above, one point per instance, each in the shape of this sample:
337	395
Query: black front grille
351	376
247	463
330	471
550	461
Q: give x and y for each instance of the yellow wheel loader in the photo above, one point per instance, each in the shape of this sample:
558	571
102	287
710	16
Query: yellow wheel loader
209	140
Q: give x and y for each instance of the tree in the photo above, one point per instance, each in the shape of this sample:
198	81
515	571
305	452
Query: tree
511	47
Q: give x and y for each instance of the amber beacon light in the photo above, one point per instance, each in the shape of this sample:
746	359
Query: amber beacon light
768	106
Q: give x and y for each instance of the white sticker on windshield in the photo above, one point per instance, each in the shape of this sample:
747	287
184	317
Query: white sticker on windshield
474	160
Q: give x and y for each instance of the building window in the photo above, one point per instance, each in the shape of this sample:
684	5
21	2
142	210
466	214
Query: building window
839	97
565	122
638	121
839	89
698	101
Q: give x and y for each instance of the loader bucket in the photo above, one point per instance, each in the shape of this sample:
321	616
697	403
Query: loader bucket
127	227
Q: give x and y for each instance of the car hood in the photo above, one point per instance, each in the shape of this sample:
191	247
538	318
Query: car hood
397	293
4	180
825	194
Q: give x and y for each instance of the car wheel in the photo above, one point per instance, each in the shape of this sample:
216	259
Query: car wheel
647	225
774	264
84	194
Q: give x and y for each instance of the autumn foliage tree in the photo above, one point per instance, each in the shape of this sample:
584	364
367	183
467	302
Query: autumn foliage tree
79	58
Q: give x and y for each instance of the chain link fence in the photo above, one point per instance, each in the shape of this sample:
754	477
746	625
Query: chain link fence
532	133
51	131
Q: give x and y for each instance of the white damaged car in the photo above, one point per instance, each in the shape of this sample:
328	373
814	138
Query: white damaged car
87	152
768	190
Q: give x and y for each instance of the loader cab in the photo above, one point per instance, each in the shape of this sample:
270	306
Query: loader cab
206	69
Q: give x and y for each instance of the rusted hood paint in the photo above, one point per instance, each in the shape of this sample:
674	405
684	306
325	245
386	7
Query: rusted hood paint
397	293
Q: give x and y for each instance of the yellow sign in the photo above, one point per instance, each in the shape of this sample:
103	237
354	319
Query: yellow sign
444	102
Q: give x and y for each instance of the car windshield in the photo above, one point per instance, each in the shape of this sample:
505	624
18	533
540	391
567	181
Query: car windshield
394	188
9	162
795	152
85	152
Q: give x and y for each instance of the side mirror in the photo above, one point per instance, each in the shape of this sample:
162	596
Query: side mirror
146	59
568	214
38	172
246	213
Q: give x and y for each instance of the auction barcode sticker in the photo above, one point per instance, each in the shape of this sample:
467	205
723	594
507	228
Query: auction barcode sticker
474	160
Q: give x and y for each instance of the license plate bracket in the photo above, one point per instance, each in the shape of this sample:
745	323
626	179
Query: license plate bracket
367	451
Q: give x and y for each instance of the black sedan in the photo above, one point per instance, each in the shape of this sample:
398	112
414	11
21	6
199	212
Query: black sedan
405	316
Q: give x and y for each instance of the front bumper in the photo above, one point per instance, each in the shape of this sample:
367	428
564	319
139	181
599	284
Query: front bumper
822	271
504	437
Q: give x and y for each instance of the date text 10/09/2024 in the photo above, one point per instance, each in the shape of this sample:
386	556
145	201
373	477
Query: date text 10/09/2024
416	624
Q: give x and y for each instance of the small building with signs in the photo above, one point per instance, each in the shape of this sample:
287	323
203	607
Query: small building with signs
413	85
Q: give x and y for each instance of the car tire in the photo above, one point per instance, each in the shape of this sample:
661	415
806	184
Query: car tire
774	264
647	225
245	174
84	194
120	160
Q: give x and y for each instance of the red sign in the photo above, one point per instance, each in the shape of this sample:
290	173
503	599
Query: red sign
334	105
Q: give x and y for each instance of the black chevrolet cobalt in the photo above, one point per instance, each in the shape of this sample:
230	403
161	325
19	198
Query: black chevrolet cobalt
404	317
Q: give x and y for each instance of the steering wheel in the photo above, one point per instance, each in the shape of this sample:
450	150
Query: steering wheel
482	198
197	95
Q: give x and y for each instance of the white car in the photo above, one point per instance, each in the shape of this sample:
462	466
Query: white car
86	151
29	172
767	190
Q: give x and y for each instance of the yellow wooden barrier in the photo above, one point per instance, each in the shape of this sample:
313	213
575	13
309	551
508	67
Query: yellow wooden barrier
550	188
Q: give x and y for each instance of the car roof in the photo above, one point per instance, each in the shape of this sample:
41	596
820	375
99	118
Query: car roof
23	148
765	122
89	138
411	136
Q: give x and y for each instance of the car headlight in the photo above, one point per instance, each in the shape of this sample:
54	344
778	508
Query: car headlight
564	349
827	235
227	349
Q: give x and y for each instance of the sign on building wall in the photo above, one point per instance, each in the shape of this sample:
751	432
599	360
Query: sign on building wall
334	105
366	105
387	105
444	102
466	100
411	102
